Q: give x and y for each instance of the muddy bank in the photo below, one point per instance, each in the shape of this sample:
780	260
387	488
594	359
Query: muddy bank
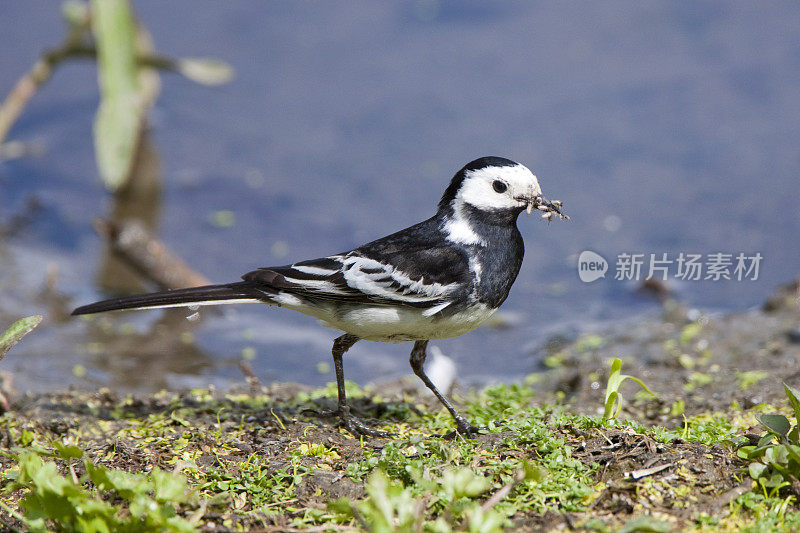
702	361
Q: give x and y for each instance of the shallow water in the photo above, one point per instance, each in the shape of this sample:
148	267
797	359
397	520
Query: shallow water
664	128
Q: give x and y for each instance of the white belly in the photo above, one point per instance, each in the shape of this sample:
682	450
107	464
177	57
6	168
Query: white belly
388	324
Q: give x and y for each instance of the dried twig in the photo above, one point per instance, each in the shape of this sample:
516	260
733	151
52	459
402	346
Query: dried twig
26	87
131	242
644	472
75	46
503	491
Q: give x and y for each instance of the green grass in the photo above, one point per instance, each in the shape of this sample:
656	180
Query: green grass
237	461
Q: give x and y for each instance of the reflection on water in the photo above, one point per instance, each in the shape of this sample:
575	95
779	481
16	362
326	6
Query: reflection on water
663	127
145	360
139	200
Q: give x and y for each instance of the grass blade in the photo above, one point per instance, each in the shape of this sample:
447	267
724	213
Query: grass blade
14	334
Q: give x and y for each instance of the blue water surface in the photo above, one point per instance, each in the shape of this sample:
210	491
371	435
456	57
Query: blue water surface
663	127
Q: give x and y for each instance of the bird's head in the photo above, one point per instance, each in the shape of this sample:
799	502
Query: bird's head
493	184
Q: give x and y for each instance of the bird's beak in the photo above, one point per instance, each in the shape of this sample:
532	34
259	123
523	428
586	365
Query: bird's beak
533	202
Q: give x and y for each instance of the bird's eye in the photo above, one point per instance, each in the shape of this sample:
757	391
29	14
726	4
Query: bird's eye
499	186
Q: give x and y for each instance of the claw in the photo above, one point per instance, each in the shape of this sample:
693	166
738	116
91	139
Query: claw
466	430
355	425
463	429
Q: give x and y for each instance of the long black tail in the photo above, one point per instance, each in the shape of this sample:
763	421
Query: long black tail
209	294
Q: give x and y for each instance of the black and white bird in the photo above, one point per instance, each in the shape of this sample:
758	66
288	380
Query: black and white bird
437	279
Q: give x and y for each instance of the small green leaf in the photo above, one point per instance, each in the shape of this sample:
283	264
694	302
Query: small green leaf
608	408
750	378
794	400
616	366
777	455
745	451
615	380
14	334
223	218
341	506
641	384
758	452
756	470
168	487
778	424
794	452
205	71
75	12
27	437
689	332
773	481
68	452
766	440
647	524
533	473
484	521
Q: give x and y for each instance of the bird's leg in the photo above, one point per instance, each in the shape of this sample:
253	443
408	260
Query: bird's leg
417	360
350	422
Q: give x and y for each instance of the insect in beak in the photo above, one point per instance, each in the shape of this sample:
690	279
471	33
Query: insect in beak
550	209
533	202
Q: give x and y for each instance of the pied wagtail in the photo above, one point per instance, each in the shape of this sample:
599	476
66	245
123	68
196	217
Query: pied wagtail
437	279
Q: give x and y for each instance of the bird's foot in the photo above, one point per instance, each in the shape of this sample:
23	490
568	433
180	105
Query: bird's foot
464	429
356	426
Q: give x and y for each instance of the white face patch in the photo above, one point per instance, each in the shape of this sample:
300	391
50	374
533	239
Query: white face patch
458	228
478	188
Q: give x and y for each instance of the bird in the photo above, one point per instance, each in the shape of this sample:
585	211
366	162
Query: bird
437	279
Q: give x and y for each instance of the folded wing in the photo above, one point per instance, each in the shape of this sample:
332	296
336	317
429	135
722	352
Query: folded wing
356	277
